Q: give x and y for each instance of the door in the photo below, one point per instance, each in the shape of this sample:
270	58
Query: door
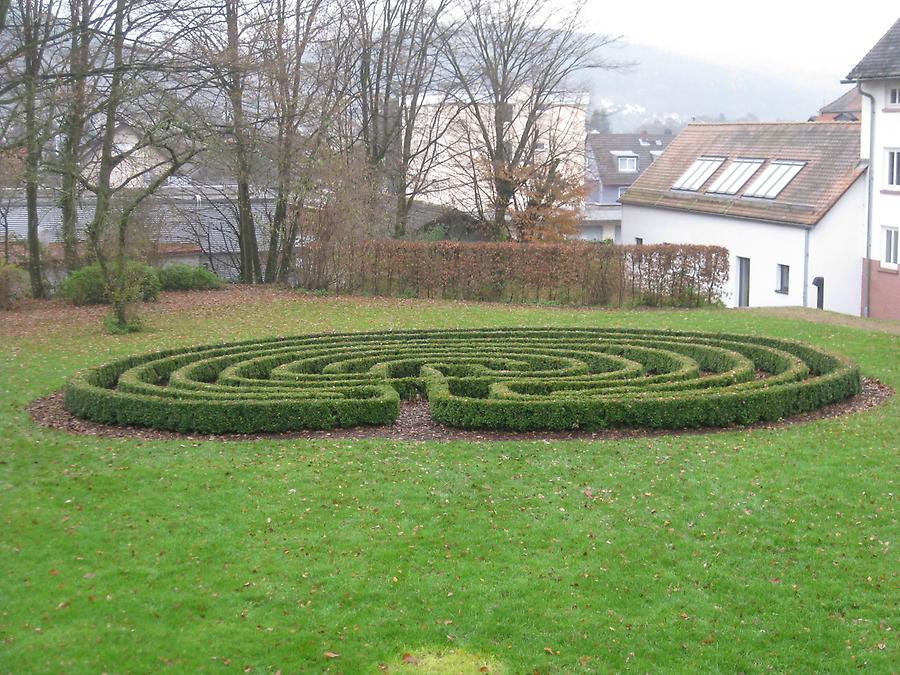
743	282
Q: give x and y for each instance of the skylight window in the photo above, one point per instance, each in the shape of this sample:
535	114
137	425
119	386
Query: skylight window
774	178
698	173
733	178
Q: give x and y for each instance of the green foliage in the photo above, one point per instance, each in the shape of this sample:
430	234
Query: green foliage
178	277
517	379
88	287
13	284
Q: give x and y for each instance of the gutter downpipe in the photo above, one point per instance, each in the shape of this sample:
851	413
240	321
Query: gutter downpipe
871	189
806	268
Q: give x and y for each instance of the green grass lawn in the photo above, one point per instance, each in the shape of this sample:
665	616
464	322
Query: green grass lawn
740	551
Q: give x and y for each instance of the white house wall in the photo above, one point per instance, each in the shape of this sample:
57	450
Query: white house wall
833	252
836	251
885	199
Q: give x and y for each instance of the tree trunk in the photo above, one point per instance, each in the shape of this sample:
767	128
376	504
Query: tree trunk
73	128
32	165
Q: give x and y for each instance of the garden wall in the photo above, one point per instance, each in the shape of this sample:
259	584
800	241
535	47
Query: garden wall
567	273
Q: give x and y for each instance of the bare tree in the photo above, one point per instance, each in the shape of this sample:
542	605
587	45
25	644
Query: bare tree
514	60
400	92
141	88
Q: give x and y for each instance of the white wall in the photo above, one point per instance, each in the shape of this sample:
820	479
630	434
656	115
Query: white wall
597	231
836	246
766	245
885	200
836	251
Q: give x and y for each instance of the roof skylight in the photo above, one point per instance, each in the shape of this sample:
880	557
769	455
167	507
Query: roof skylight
774	178
698	173
733	178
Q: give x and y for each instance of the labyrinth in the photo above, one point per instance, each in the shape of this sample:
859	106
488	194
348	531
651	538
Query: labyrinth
512	379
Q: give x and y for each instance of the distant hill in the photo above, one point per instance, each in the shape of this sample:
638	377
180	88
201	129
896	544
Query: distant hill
665	89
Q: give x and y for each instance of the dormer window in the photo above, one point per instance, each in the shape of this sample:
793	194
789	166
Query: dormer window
626	161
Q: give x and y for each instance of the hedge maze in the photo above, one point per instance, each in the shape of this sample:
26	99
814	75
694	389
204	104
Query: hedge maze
513	379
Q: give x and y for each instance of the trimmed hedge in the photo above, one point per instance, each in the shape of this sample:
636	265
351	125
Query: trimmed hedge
574	272
517	379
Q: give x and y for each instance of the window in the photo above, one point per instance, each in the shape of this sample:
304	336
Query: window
638	241
698	173
890	245
654	155
784	279
622	190
893	98
628	164
774	178
894	168
733	178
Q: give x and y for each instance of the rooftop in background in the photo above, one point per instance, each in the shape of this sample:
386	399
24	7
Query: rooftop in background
882	61
846	108
607	148
828	151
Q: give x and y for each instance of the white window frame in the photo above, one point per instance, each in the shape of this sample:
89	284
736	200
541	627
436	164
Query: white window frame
782	278
892	175
698	173
629	160
889	247
621	191
892	97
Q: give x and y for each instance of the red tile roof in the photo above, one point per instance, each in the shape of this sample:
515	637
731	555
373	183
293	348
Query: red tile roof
830	150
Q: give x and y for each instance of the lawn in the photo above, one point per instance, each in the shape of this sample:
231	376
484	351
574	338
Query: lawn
737	551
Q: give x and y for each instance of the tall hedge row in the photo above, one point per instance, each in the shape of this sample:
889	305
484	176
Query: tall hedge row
572	273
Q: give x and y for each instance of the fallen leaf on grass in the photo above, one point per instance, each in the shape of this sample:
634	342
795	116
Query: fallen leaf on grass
550	651
330	655
409	658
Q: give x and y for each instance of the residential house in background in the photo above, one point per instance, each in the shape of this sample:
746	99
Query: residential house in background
846	108
878	78
786	199
810	211
613	162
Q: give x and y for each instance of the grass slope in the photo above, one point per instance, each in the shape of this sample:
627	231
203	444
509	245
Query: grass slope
739	551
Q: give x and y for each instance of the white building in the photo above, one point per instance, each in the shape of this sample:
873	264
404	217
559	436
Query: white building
790	201
878	78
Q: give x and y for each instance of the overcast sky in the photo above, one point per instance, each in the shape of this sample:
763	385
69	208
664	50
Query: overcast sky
821	39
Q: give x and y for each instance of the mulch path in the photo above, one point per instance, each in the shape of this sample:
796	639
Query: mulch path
415	424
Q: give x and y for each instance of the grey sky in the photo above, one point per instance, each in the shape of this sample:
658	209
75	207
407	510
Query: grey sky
819	41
